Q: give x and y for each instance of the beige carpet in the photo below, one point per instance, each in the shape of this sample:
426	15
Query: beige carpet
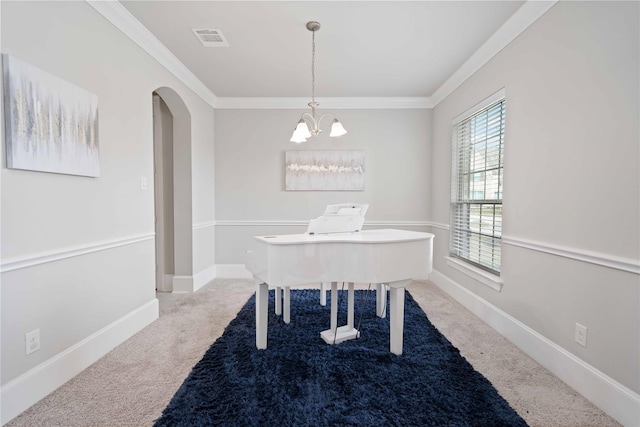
132	384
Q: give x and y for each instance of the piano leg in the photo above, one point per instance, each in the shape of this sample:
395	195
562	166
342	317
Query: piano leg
396	313
381	299
323	294
262	308
278	302
350	306
287	305
334	307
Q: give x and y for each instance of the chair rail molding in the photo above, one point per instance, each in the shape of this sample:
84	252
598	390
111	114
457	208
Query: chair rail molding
204	225
68	252
604	260
304	223
440	225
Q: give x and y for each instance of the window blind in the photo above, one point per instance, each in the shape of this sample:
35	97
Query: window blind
476	193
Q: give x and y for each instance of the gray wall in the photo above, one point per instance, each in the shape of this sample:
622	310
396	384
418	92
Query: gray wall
571	178
72	298
571	181
250	149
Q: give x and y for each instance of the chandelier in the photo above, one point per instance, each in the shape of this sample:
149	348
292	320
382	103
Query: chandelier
302	132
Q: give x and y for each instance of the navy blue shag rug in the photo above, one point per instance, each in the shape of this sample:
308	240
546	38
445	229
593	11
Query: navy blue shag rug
301	381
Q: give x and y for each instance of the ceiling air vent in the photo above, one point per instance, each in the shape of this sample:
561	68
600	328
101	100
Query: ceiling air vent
210	38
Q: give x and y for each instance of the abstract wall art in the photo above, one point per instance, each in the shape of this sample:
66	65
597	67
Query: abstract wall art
324	170
51	125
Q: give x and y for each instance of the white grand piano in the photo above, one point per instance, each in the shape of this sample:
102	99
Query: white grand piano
387	256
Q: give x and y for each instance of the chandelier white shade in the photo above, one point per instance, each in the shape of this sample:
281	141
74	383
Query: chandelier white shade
302	132
337	129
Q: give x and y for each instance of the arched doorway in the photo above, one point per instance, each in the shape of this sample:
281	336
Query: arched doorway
172	184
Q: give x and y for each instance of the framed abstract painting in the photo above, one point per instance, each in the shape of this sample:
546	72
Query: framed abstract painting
51	125
324	170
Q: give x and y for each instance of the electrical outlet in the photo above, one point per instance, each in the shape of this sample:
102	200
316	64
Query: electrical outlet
32	341
581	335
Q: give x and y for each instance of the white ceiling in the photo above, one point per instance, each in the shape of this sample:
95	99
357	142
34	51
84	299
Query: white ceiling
364	48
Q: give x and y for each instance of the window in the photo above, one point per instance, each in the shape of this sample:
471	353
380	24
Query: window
476	184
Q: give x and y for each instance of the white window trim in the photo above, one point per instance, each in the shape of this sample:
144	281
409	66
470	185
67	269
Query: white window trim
485	277
501	94
482	276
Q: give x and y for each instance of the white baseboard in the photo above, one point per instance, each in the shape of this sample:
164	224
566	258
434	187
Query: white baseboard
232	271
182	284
204	277
620	402
168	282
22	392
189	284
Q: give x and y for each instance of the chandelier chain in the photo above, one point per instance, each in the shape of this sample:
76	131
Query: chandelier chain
313	66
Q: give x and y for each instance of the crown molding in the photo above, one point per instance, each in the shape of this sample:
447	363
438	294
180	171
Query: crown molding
359	103
123	20
526	15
